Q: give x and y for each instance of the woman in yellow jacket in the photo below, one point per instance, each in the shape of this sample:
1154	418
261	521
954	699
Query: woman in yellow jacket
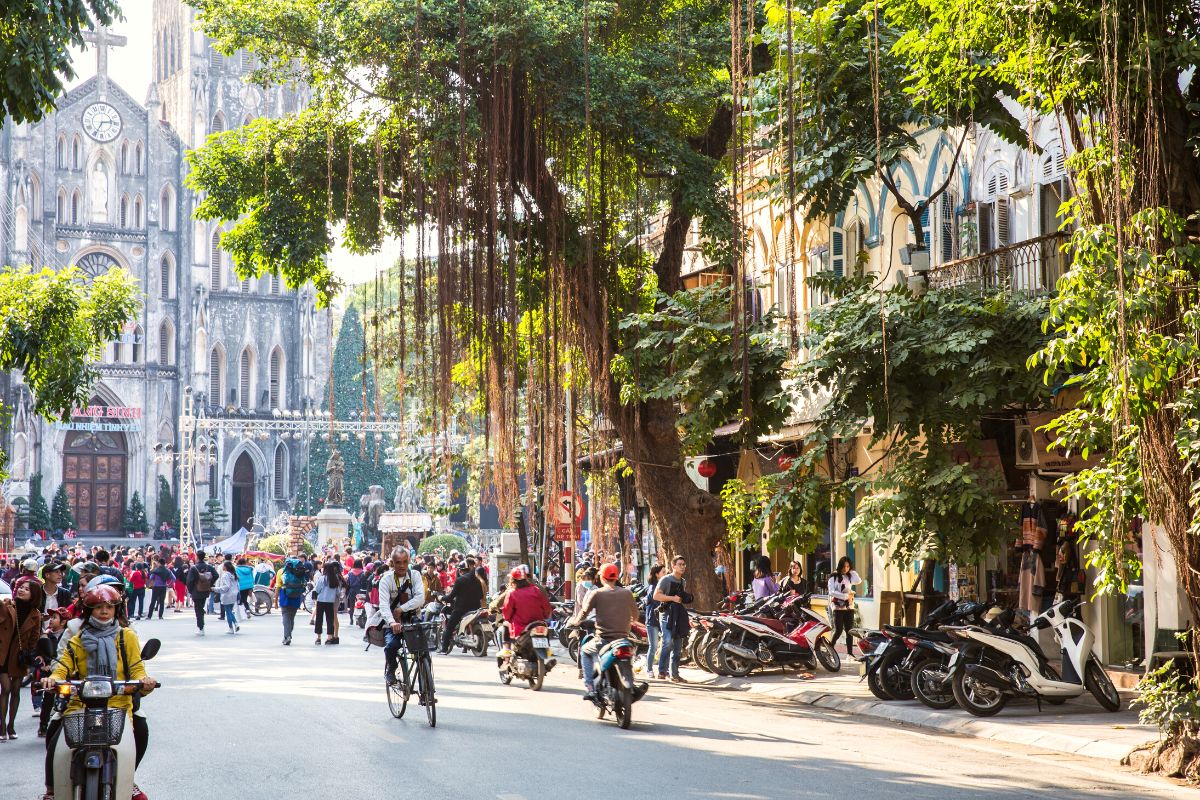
103	646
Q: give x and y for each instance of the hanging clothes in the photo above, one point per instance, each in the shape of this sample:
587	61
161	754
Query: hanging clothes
1033	526
1031	582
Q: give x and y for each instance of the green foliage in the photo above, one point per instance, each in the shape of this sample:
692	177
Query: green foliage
1168	701
39	514
35	58
134	519
53	325
61	517
686	350
280	544
166	511
446	541
213	516
364	459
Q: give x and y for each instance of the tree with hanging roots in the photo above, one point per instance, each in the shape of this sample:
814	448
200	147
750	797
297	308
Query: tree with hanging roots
525	145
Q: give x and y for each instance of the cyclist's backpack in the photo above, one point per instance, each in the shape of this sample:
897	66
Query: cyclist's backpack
293	579
204	581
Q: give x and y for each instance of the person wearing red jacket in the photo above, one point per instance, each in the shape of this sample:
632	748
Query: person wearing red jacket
524	603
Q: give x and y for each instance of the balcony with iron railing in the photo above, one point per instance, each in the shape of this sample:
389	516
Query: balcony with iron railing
1030	268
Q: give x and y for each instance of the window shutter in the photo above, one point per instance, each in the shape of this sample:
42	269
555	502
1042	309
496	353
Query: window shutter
244	380
214	378
280	466
274	284
164	278
164	344
214	263
245	286
1002	238
948	240
124	211
276	370
837	251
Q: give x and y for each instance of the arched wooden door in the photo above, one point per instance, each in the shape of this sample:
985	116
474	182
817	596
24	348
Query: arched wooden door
242	501
94	467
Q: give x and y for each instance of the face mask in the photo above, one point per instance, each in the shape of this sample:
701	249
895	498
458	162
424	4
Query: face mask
587	584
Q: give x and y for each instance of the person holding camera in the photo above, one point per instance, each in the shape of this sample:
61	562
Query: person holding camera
673	619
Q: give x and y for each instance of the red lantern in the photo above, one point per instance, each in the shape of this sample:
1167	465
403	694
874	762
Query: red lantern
707	468
785	463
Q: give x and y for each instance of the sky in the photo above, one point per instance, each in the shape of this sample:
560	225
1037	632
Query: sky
131	67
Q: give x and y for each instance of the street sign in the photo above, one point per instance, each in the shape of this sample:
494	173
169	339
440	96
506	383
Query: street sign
566	532
568	509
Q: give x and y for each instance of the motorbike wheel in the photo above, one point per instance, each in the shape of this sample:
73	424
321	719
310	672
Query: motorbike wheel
930	685
573	649
481	643
505	676
876	686
539	675
829	657
708	656
622	697
977	697
895	679
693	647
1100	685
397	697
91	785
733	665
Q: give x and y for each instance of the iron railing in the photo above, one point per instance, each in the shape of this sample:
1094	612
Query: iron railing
1031	267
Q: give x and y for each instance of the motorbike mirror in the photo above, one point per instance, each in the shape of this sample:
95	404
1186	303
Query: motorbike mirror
45	649
150	649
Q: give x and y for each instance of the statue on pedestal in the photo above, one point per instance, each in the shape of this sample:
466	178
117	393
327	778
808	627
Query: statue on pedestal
335	472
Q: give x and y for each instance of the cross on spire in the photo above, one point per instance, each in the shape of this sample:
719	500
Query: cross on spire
103	38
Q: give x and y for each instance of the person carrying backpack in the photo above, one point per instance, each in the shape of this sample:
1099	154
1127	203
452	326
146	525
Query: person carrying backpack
356	584
200	582
289	594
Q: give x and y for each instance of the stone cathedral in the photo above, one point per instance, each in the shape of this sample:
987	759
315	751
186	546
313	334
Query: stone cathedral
99	184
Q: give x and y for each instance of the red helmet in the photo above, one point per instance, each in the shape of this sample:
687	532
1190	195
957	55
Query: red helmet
518	574
610	572
104	593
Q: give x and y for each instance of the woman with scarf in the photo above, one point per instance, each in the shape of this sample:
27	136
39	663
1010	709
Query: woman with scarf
103	646
20	627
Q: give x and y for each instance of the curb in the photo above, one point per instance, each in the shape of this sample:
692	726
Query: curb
919	716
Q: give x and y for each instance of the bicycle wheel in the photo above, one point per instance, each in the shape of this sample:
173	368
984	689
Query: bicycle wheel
262	602
397	697
425	684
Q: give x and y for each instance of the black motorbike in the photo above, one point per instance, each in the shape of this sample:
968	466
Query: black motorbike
531	659
887	666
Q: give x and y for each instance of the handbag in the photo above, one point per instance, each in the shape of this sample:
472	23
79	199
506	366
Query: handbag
377	634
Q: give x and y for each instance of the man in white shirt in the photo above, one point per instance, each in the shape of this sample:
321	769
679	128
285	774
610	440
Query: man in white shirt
401	592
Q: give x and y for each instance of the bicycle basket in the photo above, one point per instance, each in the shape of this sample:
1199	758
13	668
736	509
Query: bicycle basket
94	728
420	637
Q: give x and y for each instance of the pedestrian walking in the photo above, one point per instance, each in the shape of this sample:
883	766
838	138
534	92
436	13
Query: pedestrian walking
326	588
356	584
651	617
227	593
289	594
245	576
673	619
20	627
841	596
179	568
200	581
160	579
135	588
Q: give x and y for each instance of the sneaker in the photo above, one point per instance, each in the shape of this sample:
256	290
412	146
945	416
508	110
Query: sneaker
138	794
41	733
677	679
237	628
231	633
662	676
199	631
287	641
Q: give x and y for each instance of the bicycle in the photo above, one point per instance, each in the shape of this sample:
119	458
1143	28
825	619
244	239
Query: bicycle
414	661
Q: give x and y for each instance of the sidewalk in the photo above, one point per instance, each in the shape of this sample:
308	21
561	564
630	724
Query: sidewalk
1080	726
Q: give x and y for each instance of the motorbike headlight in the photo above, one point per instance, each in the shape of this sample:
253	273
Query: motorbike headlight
96	690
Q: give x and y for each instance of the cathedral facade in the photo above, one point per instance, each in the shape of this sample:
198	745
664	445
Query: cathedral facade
100	183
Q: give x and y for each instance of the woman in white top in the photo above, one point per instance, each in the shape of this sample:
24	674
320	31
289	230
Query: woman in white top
841	597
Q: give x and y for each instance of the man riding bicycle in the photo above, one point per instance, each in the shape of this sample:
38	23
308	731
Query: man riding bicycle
401	593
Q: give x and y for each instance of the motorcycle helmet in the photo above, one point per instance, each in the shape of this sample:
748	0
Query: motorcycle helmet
610	572
102	593
105	580
518	573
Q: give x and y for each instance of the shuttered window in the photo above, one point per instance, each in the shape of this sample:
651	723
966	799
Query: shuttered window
164	278
276	376
279	477
214	378
214	263
244	399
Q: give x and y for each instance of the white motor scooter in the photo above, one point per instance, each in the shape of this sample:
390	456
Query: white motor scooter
95	756
992	665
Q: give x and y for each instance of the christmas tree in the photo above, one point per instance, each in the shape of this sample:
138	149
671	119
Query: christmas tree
61	517
39	514
166	511
364	458
134	520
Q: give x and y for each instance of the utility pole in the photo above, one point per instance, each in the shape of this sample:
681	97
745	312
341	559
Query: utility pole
568	551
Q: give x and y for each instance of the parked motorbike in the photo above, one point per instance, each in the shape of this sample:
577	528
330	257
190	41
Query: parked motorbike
615	688
360	611
993	666
531	657
800	638
95	758
474	632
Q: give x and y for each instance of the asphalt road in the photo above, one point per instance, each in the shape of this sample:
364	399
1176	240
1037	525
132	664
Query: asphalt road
243	717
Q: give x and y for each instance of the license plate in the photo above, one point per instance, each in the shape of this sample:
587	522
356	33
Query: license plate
541	642
486	628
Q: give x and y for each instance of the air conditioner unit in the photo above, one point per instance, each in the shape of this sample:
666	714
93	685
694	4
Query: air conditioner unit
1026	447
